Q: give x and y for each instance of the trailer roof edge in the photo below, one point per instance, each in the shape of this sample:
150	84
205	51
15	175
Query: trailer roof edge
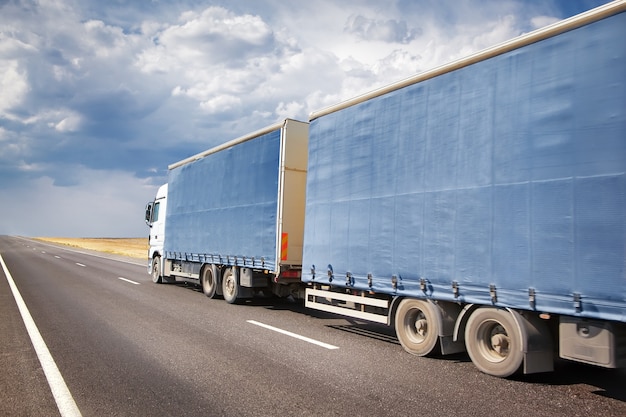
241	139
554	29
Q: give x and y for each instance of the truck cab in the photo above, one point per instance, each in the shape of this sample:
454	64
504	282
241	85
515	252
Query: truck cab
155	219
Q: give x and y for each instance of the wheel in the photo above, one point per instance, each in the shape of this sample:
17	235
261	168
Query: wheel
156	270
208	281
417	326
230	288
493	342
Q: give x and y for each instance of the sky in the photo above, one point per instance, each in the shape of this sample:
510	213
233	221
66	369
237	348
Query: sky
97	98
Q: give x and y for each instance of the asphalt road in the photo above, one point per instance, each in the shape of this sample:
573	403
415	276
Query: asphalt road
127	347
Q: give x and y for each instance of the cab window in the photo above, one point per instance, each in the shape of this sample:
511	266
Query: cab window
155	212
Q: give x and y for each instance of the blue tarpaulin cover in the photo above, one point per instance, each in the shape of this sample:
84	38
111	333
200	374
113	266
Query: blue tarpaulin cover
225	205
507	173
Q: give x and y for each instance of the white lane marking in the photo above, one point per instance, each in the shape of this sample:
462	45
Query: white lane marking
81	265
62	395
127	280
56	256
297	336
43	251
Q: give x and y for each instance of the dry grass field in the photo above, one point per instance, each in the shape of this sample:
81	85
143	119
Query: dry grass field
134	247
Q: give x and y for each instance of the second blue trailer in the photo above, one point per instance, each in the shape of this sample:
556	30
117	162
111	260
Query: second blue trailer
482	205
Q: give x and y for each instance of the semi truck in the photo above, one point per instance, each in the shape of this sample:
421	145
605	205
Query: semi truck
232	218
476	207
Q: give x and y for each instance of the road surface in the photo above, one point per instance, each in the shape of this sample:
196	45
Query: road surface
124	346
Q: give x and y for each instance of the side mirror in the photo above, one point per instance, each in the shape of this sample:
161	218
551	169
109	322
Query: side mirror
148	213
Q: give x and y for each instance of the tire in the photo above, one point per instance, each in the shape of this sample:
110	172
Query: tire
493	342
208	281
157	278
417	326
230	287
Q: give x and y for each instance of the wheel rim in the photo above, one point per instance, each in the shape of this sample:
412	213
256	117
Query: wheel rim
416	326
493	341
230	286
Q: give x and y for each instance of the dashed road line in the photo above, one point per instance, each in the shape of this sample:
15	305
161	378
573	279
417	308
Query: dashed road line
128	280
295	335
79	264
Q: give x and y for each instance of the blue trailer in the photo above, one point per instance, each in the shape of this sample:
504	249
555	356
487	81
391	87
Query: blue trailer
482	205
232	218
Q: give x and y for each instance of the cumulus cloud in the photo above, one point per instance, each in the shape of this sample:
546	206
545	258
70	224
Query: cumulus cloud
221	103
216	57
214	36
235	64
473	39
395	31
285	110
14	86
541	21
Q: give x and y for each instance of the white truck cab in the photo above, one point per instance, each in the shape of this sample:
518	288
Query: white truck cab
155	218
